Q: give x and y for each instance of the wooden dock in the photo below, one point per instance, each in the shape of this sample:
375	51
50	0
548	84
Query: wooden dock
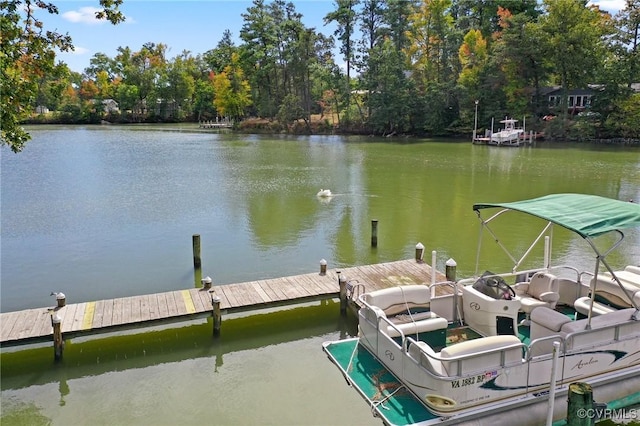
215	125
106	316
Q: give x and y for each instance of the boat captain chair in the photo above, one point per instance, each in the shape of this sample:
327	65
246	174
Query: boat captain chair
540	290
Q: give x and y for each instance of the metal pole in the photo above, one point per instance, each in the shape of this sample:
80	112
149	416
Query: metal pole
475	122
552	383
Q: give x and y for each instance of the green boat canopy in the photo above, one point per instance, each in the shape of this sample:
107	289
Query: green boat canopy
586	215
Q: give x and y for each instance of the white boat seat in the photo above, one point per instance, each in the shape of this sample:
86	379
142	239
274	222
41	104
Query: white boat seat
540	290
396	300
546	322
632	268
421	322
628	276
609	297
419	326
483	354
582	305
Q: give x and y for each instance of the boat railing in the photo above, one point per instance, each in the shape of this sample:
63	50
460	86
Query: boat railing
541	346
459	359
591	337
567	267
375	314
354	290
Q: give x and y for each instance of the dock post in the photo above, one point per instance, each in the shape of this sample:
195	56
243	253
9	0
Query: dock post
196	251
217	315
206	282
419	252
450	270
580	403
342	281
58	342
374	233
323	267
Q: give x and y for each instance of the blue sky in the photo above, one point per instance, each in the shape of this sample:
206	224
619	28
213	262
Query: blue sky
195	26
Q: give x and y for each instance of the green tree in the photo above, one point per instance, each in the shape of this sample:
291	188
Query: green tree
232	90
27	52
177	85
258	53
432	28
345	18
628	40
625	121
518	53
574	42
220	57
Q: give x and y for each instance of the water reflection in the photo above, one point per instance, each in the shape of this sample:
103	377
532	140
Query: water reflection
94	357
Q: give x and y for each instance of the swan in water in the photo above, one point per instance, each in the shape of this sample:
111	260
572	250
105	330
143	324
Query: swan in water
324	193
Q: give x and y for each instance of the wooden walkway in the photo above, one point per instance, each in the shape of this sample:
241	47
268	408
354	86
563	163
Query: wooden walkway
104	316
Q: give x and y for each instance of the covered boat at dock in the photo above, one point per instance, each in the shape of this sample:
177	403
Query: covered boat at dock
505	341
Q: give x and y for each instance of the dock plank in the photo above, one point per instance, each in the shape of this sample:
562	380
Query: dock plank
9	321
78	317
154	310
163	308
70	314
136	314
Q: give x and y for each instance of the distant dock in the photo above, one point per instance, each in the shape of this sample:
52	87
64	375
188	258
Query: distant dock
224	124
105	316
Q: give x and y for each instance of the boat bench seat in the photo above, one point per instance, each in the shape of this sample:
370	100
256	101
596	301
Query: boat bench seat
632	268
483	354
630	275
546	322
422	322
609	297
407	307
396	300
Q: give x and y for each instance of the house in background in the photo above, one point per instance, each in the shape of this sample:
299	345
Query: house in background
578	99
108	105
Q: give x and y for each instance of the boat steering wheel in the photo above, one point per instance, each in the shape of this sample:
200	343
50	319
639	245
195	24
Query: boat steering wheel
506	290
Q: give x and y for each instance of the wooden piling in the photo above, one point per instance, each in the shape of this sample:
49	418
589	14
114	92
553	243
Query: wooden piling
58	342
342	282
580	404
196	251
450	270
217	315
206	282
419	252
61	300
374	233
323	267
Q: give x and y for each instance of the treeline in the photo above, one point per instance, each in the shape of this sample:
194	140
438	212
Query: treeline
407	67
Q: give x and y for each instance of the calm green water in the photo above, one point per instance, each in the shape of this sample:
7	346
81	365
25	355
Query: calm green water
102	212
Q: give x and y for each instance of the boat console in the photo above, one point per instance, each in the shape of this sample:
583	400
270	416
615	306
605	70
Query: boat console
489	316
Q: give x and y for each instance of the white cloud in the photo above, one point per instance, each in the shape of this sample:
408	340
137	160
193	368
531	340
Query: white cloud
87	15
76	51
84	15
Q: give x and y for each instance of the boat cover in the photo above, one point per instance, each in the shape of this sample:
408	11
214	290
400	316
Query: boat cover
586	215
